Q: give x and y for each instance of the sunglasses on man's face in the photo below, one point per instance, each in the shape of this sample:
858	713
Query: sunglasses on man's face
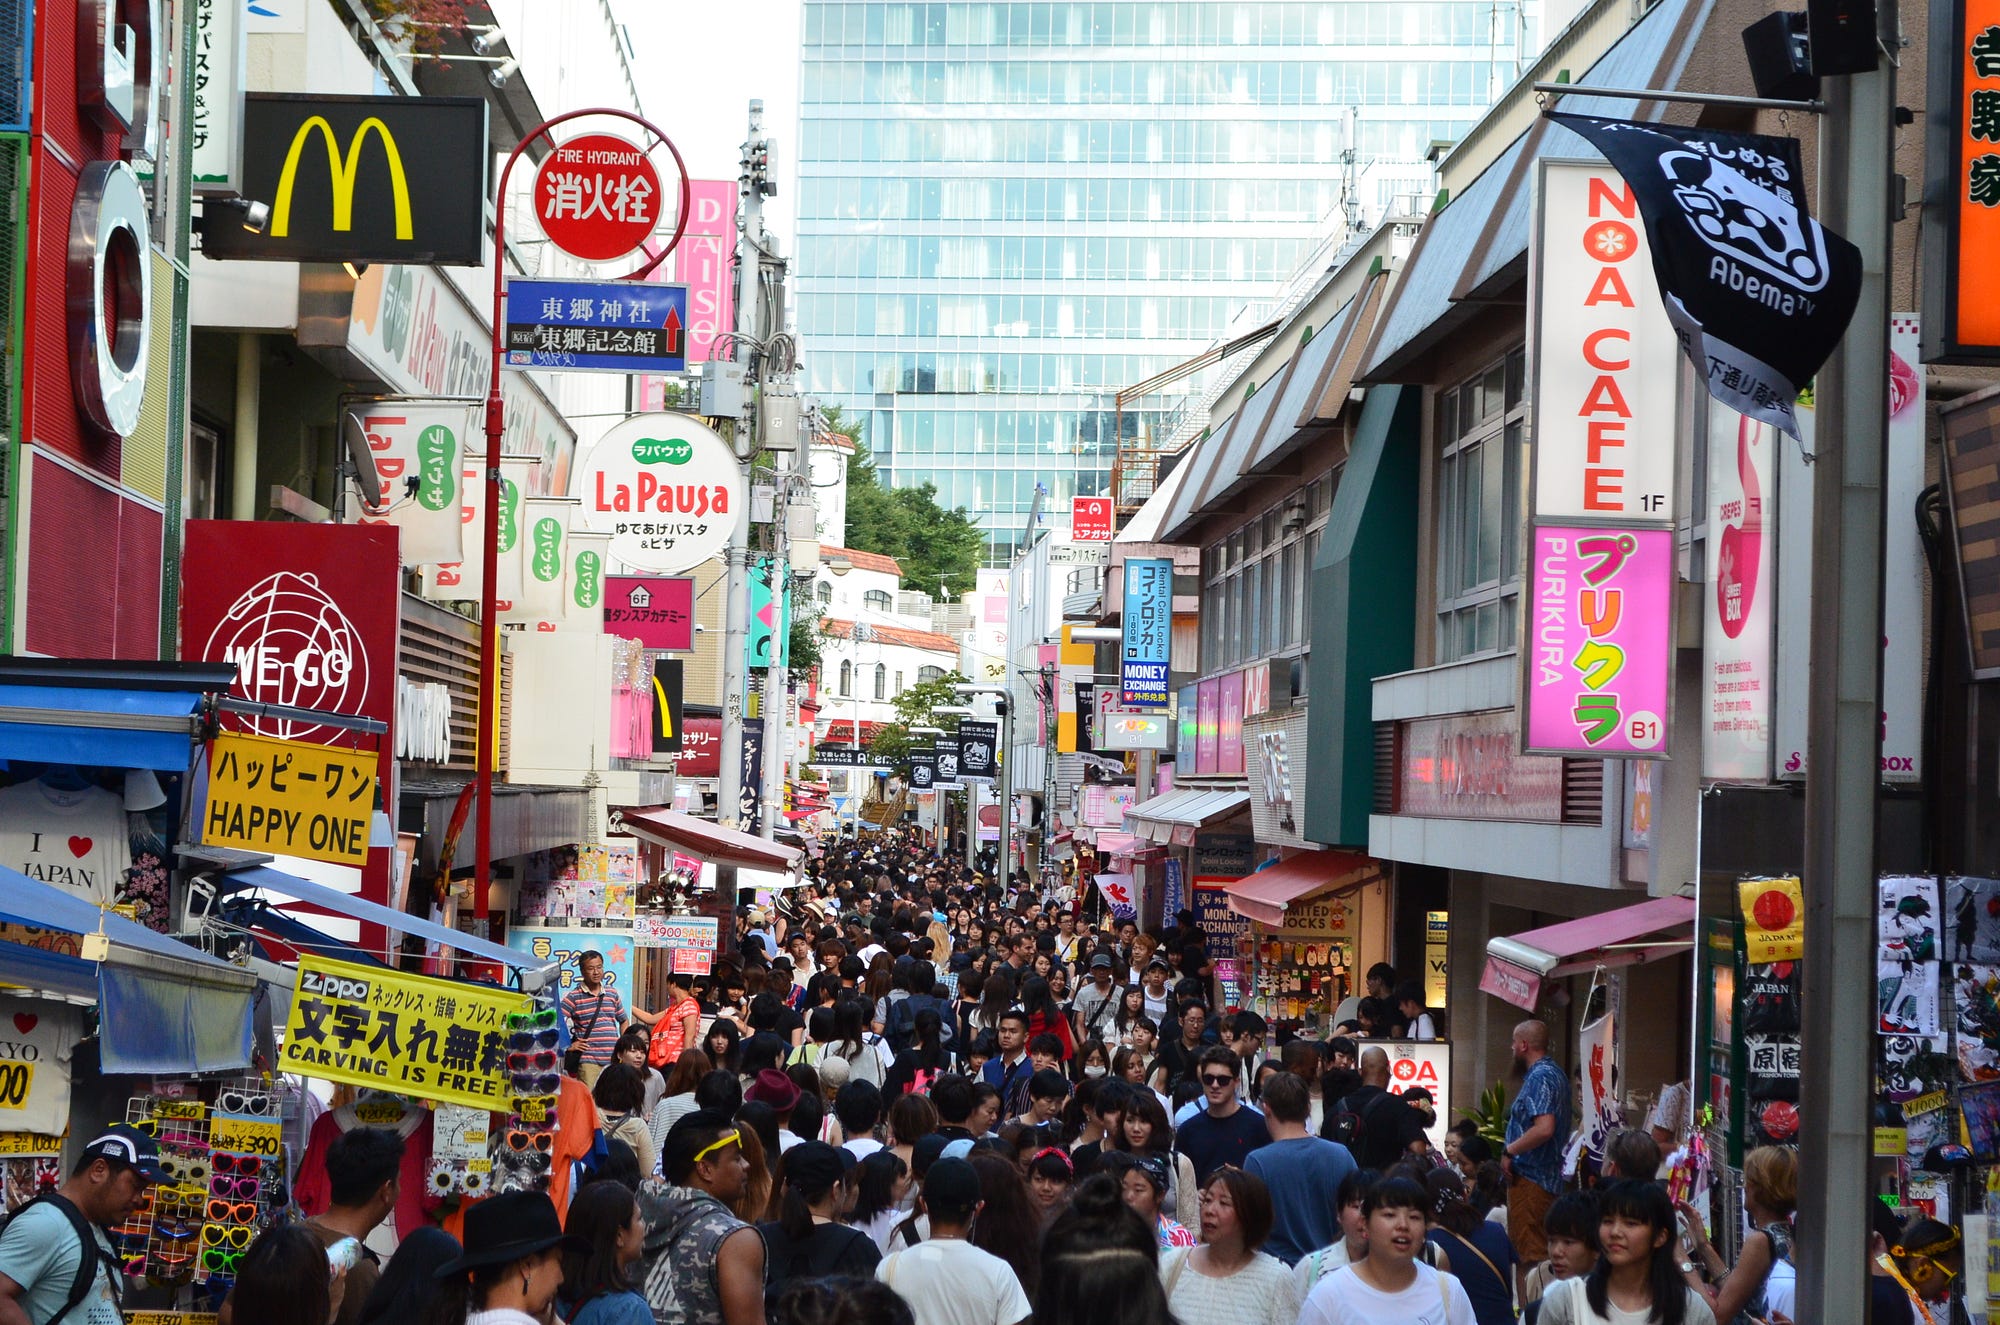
1213	1079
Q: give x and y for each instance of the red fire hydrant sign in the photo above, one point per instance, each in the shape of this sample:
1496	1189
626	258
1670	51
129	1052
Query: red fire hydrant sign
597	197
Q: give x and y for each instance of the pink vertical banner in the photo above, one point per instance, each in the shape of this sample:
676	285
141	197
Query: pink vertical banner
1229	725
702	263
1599	660
1207	726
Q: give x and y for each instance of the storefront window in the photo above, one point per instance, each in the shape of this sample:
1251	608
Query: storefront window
1482	508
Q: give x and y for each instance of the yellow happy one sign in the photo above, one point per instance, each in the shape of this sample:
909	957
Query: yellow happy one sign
407	1034
289	798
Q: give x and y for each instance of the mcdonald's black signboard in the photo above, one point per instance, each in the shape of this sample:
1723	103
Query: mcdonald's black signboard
361	179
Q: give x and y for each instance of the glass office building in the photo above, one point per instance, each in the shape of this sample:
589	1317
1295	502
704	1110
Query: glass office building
1010	210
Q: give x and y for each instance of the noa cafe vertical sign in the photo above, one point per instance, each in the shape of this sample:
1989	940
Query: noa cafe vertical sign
1605	362
667	490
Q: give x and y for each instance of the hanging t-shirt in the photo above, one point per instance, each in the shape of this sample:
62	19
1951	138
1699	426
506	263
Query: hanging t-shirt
36	1040
75	840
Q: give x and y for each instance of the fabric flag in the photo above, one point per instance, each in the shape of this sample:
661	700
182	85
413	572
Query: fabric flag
418	451
1119	895
462	582
543	553
584	598
1759	293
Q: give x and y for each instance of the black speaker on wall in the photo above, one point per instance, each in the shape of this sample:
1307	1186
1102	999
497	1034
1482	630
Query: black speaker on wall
1780	67
1841	34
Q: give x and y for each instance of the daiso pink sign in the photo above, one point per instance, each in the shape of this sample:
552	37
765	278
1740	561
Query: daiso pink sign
1598	667
702	262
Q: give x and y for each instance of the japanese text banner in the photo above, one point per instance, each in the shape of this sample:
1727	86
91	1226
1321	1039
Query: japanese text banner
409	1034
1598	672
289	798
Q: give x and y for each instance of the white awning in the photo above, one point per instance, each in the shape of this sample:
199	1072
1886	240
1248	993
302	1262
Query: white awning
1188	808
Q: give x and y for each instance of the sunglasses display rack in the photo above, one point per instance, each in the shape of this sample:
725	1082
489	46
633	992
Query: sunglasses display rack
523	1151
225	1166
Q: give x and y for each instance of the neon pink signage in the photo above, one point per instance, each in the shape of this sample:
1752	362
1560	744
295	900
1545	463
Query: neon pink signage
1599	663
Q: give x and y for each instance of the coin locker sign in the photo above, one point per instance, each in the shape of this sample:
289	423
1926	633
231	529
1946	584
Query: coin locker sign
408	1034
289	798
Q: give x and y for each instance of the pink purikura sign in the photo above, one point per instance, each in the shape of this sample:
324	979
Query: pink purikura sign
1598	669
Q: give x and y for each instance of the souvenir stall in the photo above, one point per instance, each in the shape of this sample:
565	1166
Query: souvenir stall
1317	919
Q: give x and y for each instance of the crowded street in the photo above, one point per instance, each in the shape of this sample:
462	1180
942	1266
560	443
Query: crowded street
999	662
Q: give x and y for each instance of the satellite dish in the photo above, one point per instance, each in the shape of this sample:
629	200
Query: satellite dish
366	481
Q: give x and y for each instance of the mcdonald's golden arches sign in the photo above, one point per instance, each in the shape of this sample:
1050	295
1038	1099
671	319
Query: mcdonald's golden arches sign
361	179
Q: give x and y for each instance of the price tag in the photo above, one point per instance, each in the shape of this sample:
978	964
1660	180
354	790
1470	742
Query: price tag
170	1318
1892	1141
29	1143
182	1109
479	1166
241	1134
17	1082
378	1113
534	1110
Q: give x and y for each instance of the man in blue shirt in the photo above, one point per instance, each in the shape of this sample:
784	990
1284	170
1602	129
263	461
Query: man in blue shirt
1537	1127
1227	1130
1301	1171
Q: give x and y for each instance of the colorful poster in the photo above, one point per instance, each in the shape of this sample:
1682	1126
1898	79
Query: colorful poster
568	946
418	452
1120	895
443	1040
1208	727
1146	649
1906	993
1774	918
1229	724
1598	679
1597	1052
656	610
701	933
1737	601
1907	917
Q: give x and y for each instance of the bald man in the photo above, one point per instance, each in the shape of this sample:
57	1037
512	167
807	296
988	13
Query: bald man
1537	1127
1386	1129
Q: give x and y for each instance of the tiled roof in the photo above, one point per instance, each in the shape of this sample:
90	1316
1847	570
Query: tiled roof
862	560
909	639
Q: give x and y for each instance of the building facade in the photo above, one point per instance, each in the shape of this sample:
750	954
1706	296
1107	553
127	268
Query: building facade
1009	212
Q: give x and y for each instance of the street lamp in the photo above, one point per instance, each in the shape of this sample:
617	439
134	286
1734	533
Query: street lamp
1001	700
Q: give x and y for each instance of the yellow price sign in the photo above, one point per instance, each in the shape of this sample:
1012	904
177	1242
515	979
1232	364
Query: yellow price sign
185	1110
534	1110
289	797
1892	1141
170	1318
243	1134
17	1082
29	1143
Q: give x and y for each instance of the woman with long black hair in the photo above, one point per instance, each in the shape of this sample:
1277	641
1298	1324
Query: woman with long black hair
854	1042
1008	1225
723	1044
1045	1016
807	1240
1638	1275
600	1286
917	1066
882	1182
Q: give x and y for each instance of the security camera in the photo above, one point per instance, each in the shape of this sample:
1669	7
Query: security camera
488	37
700	629
256	216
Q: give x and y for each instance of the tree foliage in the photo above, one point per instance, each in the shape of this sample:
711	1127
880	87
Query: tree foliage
938	549
916	707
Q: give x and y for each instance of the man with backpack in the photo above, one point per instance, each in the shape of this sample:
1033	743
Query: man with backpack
56	1263
900	1018
1372	1122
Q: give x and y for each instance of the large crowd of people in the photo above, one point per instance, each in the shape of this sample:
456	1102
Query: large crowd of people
914	1094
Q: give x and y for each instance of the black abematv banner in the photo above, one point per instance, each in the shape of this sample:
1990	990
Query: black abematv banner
978	751
946	778
667	705
361	179
923	770
1757	290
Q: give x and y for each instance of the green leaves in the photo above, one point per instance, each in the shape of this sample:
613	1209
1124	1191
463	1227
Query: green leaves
939	550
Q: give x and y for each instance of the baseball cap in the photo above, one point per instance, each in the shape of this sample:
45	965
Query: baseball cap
815	1166
953	1184
1101	962
125	1144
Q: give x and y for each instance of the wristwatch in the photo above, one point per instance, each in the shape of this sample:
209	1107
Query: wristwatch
1687	1267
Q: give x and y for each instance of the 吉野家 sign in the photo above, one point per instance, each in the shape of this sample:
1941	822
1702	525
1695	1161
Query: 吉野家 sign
1961	319
1090	519
596	326
1606	362
362	179
656	610
597	197
1148	629
1598	672
289	798
667	490
443	1040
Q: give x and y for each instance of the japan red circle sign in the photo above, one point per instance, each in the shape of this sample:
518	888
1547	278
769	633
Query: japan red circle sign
597	197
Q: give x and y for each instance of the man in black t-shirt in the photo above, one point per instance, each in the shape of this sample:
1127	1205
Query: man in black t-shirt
1226	1131
1389	1128
1178	1051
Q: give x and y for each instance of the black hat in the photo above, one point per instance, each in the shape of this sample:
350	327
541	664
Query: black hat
505	1228
122	1143
814	1166
952	1183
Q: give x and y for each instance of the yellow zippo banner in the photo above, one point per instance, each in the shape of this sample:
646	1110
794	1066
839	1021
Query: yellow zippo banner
408	1034
289	798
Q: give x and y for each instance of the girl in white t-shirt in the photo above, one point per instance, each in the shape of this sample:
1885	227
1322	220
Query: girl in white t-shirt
1389	1286
1637	1278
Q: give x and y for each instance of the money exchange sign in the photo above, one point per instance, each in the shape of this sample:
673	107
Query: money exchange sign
1148	626
408	1034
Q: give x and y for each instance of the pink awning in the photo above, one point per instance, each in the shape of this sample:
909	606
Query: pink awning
671	828
1263	896
1628	936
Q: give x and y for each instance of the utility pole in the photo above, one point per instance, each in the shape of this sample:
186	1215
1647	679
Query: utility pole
1844	745
736	599
1006	698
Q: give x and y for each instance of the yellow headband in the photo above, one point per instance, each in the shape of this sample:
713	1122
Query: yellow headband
729	1139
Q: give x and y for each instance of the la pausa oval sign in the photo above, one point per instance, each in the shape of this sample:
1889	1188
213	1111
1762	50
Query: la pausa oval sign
667	490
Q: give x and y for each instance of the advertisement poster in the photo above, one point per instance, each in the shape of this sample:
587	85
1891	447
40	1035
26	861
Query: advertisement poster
443	1040
1606	364
1208	727
1903	593
1225	928
1148	627
418	451
656	610
1737	602
1229	724
567	945
1598	673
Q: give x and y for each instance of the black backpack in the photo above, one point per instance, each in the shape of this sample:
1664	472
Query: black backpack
1347	1126
89	1253
901	1023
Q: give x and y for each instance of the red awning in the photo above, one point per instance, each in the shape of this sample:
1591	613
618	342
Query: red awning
1628	936
1263	896
699	837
